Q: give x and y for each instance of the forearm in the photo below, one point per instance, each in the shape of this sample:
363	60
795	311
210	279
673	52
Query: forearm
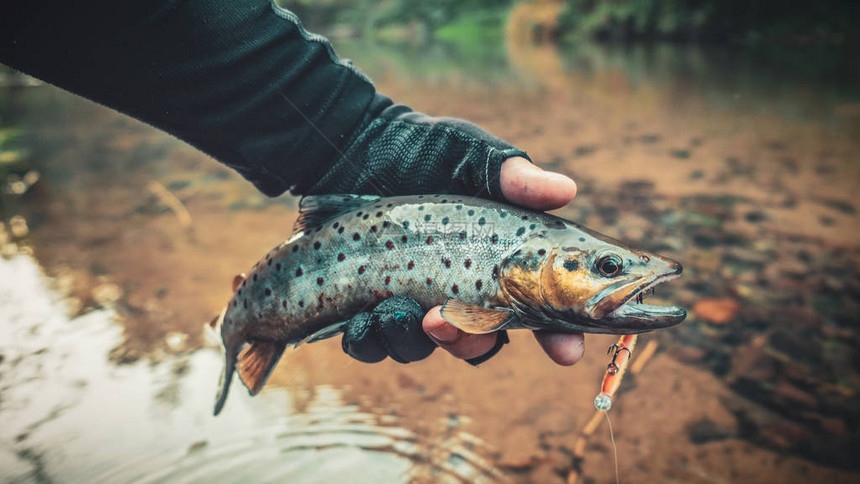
243	82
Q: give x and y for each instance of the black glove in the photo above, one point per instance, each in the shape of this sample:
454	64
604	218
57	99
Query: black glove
393	329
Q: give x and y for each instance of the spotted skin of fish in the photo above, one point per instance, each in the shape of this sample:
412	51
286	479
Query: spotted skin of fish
492	265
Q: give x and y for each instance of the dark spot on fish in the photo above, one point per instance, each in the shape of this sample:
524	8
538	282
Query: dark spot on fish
444	200
235	303
302	304
445	221
525	217
356	236
378	214
571	265
358	214
503	214
420	196
255	277
361	269
373	228
269	262
389	244
427	218
541	251
385	224
405	224
458	207
495	272
295	248
494	238
521	231
471	212
447	262
299	272
284	303
455	289
410	265
245	304
341	257
268	292
317	245
420	207
278	266
463	235
365	216
390	205
239	293
340	230
532	226
429	240
479	284
244	281
319	281
335	225
482	221
467	263
429	281
259	315
388	293
404	238
582	239
387	280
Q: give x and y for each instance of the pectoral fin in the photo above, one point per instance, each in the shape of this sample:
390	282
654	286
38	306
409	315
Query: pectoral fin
475	319
256	363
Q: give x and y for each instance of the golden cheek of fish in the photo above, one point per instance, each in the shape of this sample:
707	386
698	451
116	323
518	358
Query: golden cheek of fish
490	265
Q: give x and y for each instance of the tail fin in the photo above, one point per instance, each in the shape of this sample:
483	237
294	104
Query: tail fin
224	383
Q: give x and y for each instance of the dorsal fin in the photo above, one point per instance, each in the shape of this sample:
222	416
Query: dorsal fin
475	319
316	209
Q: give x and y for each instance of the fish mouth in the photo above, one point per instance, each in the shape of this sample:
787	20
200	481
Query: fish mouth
631	314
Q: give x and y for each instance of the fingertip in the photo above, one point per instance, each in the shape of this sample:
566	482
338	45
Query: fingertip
565	349
526	184
437	328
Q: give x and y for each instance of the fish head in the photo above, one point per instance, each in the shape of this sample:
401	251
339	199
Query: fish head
579	280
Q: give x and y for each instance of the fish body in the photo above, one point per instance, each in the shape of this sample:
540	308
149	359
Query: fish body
492	266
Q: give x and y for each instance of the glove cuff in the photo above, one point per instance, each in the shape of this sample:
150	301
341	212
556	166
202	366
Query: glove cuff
501	340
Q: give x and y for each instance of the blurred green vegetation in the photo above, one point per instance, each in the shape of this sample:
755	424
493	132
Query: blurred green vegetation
737	21
473	21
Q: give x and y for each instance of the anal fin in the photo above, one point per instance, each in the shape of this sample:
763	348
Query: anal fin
475	319
256	363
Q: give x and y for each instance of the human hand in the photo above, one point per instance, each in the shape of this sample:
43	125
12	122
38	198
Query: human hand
524	184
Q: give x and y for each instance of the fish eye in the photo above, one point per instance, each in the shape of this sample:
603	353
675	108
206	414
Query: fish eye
609	265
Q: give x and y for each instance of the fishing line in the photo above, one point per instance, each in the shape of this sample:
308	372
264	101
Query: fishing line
614	447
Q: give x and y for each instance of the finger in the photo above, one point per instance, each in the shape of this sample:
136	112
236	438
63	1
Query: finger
361	342
526	184
461	345
566	349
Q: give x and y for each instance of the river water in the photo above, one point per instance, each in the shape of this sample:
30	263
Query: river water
741	164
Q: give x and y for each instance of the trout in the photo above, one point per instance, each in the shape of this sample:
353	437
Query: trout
490	265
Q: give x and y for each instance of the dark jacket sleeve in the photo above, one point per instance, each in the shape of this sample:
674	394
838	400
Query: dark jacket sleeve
245	83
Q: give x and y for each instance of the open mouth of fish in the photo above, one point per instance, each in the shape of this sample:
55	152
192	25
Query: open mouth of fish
633	309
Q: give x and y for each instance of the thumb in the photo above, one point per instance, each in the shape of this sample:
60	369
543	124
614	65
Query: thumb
528	185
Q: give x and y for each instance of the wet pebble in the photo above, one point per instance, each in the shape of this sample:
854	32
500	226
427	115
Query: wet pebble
706	430
688	354
716	311
794	396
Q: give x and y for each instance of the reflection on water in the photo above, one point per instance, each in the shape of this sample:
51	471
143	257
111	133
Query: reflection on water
67	415
741	164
